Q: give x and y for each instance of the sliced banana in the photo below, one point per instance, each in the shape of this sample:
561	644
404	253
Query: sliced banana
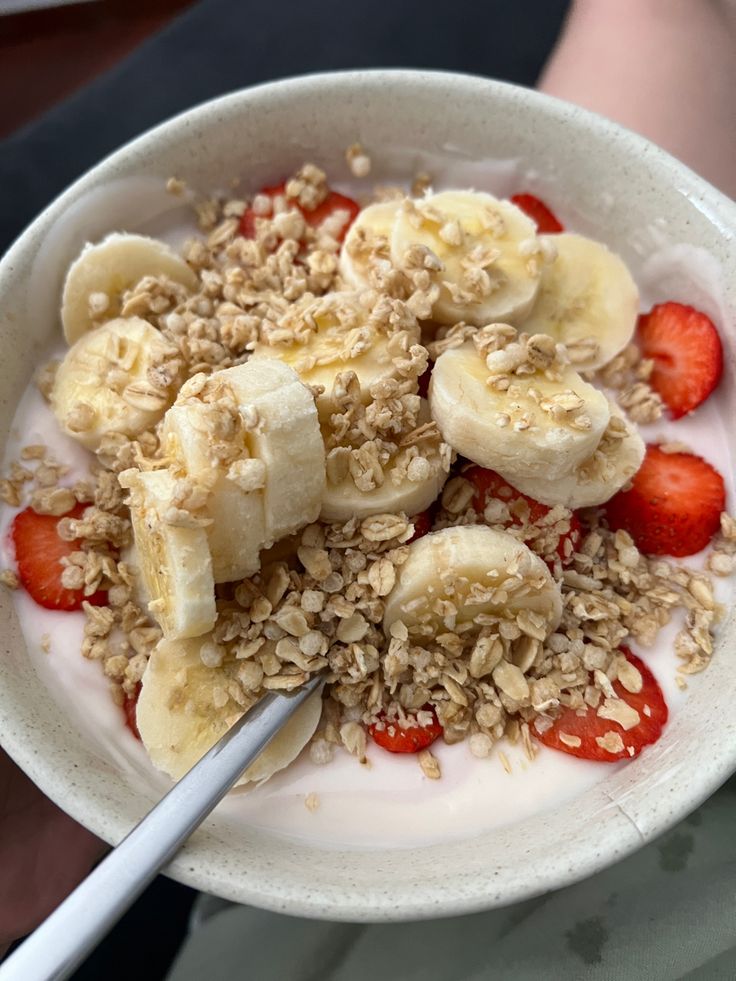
173	557
232	487
410	481
344	331
344	500
110	268
474	570
491	256
520	431
616	459
368	242
129	556
282	431
185	707
102	385
587	299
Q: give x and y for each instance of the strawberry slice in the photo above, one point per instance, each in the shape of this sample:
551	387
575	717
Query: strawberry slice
333	204
674	506
424	380
413	739
588	727
547	221
248	218
130	706
491	486
422	524
687	354
38	554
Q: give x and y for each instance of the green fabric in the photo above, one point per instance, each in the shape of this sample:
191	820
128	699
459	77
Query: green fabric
669	911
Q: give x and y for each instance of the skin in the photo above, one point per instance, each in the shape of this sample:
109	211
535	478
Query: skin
664	68
44	854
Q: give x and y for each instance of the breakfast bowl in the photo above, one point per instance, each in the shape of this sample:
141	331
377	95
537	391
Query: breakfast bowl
381	841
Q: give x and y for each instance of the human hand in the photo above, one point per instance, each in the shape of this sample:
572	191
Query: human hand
44	854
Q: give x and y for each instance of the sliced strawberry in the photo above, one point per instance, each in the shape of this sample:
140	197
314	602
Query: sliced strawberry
425	379
489	486
410	740
674	506
248	218
589	726
38	554
331	205
687	354
538	211
130	706
422	525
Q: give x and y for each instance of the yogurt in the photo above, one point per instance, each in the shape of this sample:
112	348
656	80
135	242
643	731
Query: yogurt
388	802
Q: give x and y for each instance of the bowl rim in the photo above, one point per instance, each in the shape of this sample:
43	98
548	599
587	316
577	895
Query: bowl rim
188	867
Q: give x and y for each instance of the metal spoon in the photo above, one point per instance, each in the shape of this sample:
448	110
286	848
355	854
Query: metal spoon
75	928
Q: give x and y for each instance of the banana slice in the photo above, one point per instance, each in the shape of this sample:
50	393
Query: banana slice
140	596
368	242
102	385
174	559
616	459
537	428
587	300
489	249
185	707
477	571
282	431
344	500
232	486
344	331
410	481
111	267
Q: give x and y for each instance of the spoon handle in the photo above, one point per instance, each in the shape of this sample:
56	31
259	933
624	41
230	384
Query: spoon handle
75	928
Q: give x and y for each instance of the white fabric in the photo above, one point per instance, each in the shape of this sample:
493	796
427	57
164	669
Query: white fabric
667	912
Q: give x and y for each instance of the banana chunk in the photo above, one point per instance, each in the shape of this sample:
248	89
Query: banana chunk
491	259
139	595
343	501
616	459
102	385
185	707
173	556
109	269
587	299
458	574
536	426
230	481
360	485
364	332
282	431
368	243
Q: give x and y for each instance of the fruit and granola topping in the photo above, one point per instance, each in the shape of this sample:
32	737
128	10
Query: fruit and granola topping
546	220
630	715
498	502
687	354
396	444
673	506
407	735
51	567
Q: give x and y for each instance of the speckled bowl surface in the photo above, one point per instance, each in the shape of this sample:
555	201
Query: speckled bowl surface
627	192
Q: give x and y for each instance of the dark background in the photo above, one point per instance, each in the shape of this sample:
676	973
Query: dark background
121	66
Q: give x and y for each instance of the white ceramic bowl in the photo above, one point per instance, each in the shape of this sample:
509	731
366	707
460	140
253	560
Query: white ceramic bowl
618	187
